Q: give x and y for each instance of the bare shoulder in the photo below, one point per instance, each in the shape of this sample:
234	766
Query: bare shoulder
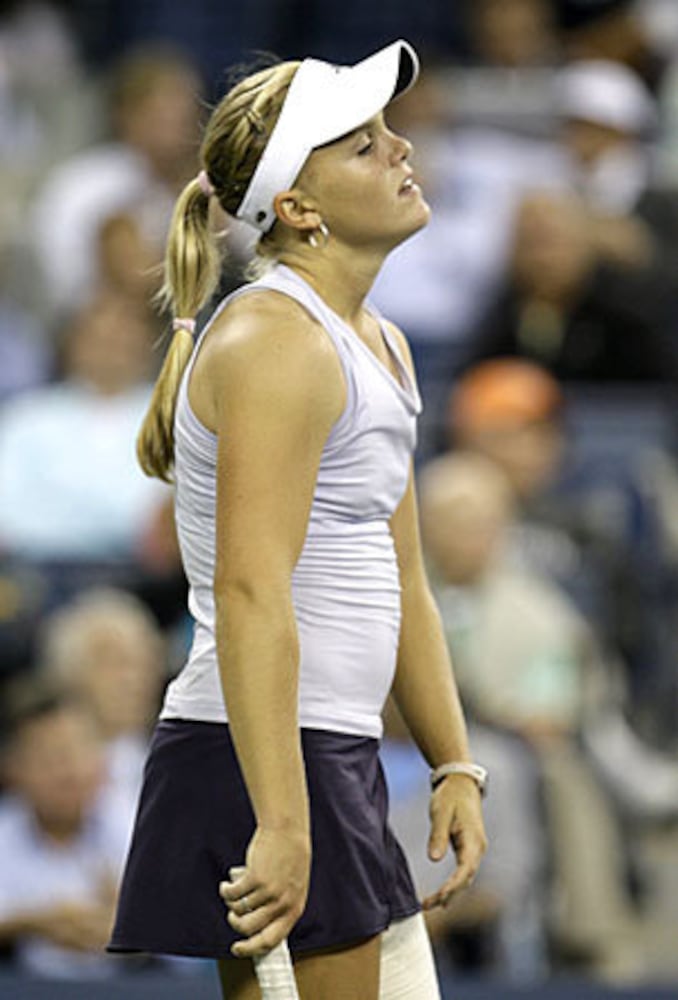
266	343
267	323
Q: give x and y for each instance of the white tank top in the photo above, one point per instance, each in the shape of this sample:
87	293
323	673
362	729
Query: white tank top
345	585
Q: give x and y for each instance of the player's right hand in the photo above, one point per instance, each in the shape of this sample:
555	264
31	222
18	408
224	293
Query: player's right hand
266	901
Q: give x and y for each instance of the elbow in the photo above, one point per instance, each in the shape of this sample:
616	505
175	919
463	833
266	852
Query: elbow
241	593
416	594
228	589
253	617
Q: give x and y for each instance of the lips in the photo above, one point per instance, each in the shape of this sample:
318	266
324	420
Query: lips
409	186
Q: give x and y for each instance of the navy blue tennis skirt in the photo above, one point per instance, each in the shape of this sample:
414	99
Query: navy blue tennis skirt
194	823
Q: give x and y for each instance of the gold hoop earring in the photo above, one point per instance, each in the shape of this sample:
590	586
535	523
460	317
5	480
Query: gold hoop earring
313	239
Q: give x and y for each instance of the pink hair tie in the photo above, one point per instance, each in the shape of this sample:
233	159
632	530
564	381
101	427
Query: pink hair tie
205	183
184	324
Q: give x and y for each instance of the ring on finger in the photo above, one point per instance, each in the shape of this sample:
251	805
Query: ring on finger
246	906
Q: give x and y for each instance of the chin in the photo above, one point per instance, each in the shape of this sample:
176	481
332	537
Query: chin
417	220
425	215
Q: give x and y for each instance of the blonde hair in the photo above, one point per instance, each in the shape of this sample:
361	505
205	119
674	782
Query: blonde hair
235	137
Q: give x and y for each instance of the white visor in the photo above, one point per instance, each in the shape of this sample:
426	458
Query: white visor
323	103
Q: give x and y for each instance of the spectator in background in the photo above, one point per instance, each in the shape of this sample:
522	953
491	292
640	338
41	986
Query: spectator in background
26	358
514	35
75	510
569	305
47	105
608	126
498	927
612	30
61	843
582	520
528	662
69	486
591	289
154	107
533	678
45	114
125	259
105	649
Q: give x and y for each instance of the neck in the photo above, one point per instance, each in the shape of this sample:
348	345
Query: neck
342	278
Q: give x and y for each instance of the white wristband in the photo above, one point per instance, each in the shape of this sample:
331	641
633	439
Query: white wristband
475	771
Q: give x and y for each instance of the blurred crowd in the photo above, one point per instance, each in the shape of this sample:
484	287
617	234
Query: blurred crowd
541	304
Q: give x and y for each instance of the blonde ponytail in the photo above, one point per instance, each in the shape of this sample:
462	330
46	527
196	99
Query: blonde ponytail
235	138
192	264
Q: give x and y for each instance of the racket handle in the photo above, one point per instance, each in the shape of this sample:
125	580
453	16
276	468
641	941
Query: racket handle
275	973
274	970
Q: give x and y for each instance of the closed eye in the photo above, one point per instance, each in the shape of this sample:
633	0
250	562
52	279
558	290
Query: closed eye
365	141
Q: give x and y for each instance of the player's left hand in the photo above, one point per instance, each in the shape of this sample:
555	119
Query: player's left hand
456	818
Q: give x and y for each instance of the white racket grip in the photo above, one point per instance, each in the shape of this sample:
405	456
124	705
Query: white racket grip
274	970
275	973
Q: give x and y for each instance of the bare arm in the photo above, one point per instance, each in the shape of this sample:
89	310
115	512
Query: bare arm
424	688
277	390
76	926
426	694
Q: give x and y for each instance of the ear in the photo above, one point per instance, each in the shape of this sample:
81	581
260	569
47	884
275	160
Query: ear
297	210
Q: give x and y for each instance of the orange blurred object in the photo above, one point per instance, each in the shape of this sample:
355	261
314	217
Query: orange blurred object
503	392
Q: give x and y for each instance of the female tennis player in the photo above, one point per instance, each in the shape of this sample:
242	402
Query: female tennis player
288	430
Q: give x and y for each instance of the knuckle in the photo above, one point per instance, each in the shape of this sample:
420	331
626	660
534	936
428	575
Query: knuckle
266	940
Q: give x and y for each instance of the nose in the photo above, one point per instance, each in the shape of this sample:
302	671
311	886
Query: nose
401	148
